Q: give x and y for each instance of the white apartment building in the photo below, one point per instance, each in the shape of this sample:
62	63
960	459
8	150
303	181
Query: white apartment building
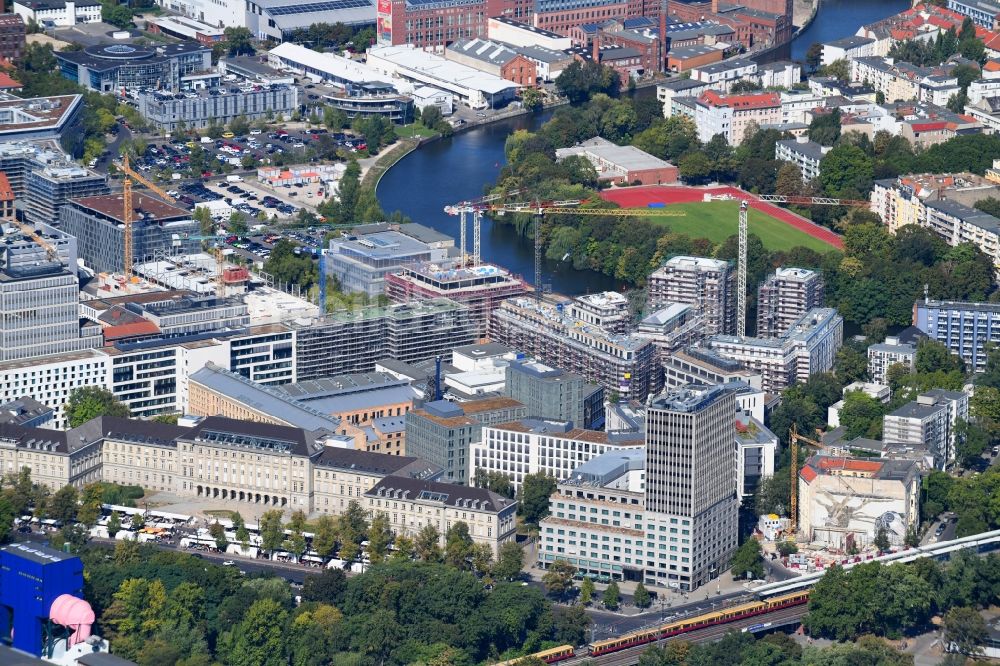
701	365
897	82
929	423
411	504
847	48
808	347
533	446
59	13
709	285
957	223
884	355
51	379
732	115
784	297
721	75
803	153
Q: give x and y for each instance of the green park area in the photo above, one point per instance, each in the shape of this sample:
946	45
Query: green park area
718	220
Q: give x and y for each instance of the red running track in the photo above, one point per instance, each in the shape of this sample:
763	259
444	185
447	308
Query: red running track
641	197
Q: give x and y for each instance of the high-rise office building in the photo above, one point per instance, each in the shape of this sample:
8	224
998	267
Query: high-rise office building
707	284
691	485
784	297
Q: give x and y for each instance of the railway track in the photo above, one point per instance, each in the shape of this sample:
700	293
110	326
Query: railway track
631	655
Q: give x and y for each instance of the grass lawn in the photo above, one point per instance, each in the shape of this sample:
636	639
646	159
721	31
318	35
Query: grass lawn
718	220
412	130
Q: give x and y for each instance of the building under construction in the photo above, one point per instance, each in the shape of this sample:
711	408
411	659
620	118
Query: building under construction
625	364
352	341
481	288
707	284
98	223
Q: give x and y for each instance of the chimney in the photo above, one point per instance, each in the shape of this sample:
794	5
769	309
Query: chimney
715	6
597	49
663	35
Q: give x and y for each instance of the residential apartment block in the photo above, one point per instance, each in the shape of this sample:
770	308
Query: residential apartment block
732	115
701	365
785	297
707	284
803	153
884	355
808	347
533	446
957	224
352	341
964	328
903	200
928	423
756	447
622	363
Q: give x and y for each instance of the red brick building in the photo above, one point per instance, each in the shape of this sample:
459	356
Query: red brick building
754	21
494	58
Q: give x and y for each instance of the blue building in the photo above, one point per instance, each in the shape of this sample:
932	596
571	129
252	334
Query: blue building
31	577
964	328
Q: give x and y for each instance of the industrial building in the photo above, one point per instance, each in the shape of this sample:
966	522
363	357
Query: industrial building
624	364
552	393
98	223
707	284
784	297
480	288
494	58
344	342
844	502
116	67
516	33
542	446
168	111
622	165
475	89
965	328
808	347
361	263
277	20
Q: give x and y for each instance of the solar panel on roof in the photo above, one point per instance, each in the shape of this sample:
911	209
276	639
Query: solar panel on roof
312	7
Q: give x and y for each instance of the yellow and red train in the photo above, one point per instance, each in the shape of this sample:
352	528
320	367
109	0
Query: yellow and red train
723	616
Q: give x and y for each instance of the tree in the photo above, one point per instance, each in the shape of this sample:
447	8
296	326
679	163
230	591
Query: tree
989	205
965	628
218	533
748	562
89	402
325	536
933	356
558	579
533	496
586	590
695	168
814	56
379	537
117	15
458	545
912	539
239	125
641	598
579	81
862	415
328	587
571	625
63	505
7	515
510	561
846	172
272	532
825	128
881	539
238	41
971	441
789	180
851	365
114	524
427	544
258	640
612	597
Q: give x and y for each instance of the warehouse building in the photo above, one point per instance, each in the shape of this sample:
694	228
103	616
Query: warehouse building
475	89
493	58
622	165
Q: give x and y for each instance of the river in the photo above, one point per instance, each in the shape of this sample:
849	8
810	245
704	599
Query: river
841	18
459	168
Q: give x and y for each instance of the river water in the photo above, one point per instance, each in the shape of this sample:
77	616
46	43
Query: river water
461	167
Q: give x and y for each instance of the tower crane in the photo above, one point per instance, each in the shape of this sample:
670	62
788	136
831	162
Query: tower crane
50	250
129	212
475	207
794	439
539	209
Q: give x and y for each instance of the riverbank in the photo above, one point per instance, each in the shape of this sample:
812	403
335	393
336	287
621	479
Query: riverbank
803	14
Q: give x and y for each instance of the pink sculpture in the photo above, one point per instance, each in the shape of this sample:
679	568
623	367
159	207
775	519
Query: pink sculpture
75	613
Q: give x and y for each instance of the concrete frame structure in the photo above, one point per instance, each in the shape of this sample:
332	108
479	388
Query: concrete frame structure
784	297
707	284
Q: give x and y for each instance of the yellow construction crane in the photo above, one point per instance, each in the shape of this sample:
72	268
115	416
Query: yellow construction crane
50	251
129	212
794	438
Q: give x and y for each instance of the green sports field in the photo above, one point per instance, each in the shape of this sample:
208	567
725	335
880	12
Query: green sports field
718	220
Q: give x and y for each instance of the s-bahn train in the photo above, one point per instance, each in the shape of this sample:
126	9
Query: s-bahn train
723	616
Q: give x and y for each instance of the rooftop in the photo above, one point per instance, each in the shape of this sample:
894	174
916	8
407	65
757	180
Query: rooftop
17	115
374	463
915	410
688	399
37	553
850	42
439	69
447	494
291	14
275	439
264	399
146	207
727	66
337	67
884	470
609	466
628	158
